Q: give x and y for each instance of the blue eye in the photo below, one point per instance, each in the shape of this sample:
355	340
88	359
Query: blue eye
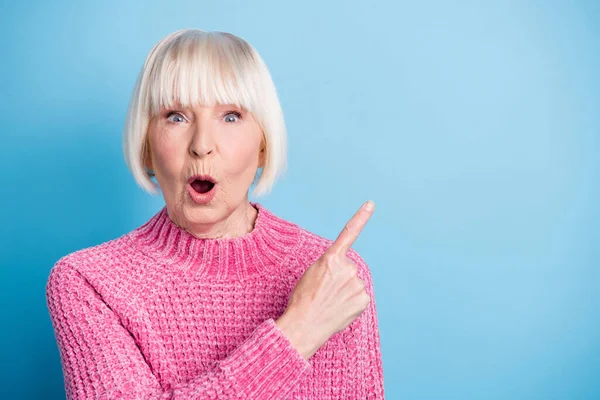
235	114
179	117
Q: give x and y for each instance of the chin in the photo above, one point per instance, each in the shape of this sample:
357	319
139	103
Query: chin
201	214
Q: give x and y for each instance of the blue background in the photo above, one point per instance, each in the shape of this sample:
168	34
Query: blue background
474	127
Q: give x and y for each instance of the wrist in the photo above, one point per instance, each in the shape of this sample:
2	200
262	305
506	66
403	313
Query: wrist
298	334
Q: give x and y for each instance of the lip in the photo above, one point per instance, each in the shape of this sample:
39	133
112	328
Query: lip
201	198
202	178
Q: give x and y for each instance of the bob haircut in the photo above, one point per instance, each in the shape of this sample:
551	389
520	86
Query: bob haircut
193	66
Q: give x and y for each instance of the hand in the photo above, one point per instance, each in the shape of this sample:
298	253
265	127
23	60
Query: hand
330	295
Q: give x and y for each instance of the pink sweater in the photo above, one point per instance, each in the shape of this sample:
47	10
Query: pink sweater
160	314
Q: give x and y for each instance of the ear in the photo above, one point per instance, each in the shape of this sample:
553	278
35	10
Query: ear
262	156
147	156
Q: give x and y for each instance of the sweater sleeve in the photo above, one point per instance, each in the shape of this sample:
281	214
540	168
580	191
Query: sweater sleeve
101	360
370	342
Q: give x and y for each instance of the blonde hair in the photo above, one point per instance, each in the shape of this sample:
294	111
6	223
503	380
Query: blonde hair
191	67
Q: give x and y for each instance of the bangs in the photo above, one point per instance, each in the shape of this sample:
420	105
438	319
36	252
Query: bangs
202	69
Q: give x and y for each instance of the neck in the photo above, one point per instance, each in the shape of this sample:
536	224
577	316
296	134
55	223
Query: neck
240	222
265	250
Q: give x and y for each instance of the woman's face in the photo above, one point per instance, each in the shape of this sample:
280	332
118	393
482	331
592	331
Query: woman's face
222	141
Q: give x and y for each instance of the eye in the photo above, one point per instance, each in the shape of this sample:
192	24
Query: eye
177	117
232	116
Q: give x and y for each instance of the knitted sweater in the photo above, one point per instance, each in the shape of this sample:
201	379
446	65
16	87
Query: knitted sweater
161	314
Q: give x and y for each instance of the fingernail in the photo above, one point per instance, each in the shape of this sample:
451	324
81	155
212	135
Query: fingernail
369	205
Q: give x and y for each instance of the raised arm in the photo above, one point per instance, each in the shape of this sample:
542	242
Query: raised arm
101	360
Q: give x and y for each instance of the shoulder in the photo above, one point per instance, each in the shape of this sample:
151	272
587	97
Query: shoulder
94	263
311	246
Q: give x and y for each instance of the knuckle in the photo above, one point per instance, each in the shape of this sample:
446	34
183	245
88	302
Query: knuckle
349	227
329	259
350	263
351	277
360	287
361	284
352	270
366	299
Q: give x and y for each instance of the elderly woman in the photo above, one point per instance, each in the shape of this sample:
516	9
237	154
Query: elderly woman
214	297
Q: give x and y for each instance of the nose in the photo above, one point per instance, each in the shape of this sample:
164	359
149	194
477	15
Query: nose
201	143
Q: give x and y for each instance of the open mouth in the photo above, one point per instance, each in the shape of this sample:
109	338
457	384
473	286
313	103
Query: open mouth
202	186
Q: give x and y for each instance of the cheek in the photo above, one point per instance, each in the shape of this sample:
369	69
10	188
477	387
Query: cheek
241	157
167	156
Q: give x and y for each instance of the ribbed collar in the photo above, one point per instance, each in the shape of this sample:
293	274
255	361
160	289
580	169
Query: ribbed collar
261	251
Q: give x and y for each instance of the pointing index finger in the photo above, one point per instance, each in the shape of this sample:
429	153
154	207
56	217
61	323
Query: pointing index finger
353	228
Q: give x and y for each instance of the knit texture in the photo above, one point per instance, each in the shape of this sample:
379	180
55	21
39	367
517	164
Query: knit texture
161	314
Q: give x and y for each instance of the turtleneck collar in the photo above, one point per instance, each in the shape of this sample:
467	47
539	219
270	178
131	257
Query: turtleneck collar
261	251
